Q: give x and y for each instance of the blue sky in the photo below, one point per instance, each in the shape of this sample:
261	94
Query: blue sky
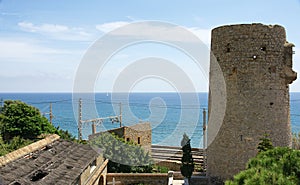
42	42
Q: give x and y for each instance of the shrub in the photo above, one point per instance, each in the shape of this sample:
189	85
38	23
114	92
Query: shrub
296	141
124	157
265	144
19	119
278	166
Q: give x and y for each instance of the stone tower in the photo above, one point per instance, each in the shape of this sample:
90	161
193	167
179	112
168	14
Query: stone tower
256	62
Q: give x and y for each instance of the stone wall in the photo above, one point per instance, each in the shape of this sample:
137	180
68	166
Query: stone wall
132	178
171	165
256	62
140	134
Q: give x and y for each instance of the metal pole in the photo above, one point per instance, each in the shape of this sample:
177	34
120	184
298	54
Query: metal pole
1	104
51	114
204	139
94	131
120	119
204	128
79	119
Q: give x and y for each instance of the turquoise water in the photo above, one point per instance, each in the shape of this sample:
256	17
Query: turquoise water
170	114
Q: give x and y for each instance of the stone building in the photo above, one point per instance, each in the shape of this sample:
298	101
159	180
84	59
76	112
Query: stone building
140	134
53	161
256	63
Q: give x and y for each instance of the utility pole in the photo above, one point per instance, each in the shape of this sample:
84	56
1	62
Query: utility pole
204	138
120	119
95	121
204	128
51	114
94	129
79	119
1	104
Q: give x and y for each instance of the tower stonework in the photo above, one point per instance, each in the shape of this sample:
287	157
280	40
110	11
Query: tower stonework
256	62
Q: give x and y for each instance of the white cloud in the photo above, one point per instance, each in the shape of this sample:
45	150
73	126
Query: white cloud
21	57
27	65
53	28
106	27
57	31
12	49
158	31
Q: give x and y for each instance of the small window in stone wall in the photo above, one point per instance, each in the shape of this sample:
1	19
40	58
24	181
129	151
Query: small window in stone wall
128	139
272	69
139	140
228	48
263	48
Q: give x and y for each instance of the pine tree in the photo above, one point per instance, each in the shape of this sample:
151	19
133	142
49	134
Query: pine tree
187	166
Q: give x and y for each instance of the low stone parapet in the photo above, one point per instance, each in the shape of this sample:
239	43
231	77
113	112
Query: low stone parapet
134	178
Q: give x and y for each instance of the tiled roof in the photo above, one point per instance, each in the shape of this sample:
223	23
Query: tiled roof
60	162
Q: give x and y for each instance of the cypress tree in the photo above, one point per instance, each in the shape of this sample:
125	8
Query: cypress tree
187	166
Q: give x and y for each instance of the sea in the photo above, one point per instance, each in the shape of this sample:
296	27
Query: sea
170	114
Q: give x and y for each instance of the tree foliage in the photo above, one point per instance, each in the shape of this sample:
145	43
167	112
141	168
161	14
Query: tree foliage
265	144
277	166
19	119
124	157
296	141
66	135
22	124
187	166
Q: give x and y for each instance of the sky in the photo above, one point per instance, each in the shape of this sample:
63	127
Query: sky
43	42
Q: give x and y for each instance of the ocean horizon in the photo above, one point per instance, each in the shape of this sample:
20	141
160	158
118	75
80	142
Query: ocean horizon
171	114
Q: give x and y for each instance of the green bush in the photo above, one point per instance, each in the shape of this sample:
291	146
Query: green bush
22	124
3	147
64	134
160	169
124	157
296	141
14	144
265	144
19	119
278	166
